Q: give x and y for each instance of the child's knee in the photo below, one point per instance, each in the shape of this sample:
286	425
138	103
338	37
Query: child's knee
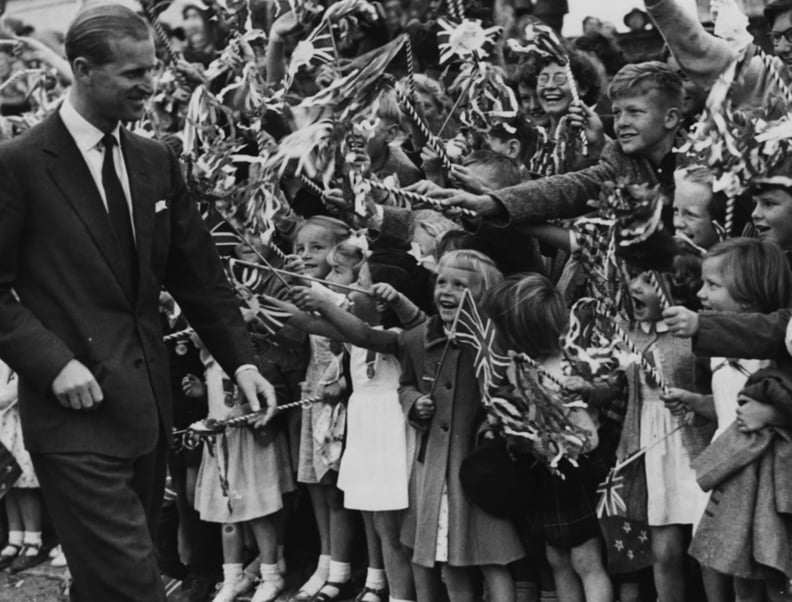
558	558
586	559
667	550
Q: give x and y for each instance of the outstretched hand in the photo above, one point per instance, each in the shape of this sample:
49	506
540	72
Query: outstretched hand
682	322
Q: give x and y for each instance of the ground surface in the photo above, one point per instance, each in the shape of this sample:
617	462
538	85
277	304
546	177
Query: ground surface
47	584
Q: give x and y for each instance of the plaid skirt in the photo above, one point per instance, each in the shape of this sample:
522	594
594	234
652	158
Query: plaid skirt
563	511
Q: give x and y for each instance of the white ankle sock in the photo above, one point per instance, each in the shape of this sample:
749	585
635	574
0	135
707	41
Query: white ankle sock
270	572
32	538
319	577
375	578
15	537
339	572
232	572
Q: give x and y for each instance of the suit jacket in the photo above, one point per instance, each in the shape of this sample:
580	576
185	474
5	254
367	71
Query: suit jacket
62	297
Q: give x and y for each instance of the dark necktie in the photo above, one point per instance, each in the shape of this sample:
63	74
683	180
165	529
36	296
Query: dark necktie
118	210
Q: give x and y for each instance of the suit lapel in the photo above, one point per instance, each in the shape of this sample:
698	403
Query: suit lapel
139	172
72	176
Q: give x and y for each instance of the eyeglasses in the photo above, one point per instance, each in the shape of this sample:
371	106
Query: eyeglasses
559	79
776	36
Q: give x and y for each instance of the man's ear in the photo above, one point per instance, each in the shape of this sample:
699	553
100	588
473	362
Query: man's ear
81	68
673	118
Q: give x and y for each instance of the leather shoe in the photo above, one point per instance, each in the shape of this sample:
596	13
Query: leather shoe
195	589
27	560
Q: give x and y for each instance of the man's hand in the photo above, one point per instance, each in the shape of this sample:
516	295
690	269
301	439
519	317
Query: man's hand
483	204
76	388
252	385
682	321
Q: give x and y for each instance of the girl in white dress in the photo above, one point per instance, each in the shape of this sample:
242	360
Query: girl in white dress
380	445
243	476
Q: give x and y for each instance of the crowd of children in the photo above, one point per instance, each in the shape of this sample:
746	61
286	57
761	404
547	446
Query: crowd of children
619	252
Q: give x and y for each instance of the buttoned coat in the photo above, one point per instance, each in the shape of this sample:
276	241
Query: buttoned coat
474	537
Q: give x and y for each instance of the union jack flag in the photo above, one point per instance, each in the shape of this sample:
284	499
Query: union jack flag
225	236
477	332
248	281
249	277
272	316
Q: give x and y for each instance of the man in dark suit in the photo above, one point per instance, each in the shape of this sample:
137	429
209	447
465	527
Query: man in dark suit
94	221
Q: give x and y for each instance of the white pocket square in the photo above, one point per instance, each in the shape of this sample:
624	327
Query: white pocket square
161	205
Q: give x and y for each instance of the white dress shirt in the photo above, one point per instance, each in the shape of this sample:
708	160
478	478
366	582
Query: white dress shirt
89	141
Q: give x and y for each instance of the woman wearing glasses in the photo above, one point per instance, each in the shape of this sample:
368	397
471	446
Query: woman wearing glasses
561	147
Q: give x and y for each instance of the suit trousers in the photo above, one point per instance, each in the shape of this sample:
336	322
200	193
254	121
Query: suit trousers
105	512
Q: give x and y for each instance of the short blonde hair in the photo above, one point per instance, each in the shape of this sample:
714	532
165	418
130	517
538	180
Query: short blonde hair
473	261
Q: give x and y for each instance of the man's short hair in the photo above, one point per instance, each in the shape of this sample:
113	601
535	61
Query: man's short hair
93	28
638	79
773	10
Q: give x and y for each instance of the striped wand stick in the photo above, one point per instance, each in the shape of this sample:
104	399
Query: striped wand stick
414	197
728	222
650	370
159	31
410	67
662	294
772	69
431	139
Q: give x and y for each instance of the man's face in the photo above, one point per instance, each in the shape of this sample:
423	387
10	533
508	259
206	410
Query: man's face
643	123
117	91
781	36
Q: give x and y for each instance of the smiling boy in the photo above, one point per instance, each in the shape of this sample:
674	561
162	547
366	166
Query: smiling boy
647	101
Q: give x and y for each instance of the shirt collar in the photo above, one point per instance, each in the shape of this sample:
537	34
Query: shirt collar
86	135
659	327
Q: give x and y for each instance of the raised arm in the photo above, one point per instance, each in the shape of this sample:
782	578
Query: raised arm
701	55
347	327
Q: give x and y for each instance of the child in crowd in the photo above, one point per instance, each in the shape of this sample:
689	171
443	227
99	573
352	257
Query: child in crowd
739	275
700	213
252	470
379	448
671	485
530	316
323	423
441	398
23	549
387	157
